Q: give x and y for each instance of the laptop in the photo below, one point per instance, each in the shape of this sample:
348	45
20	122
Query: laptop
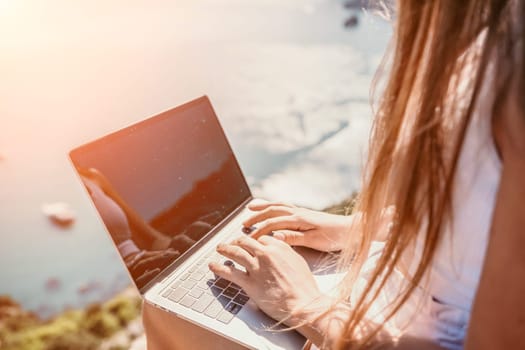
168	190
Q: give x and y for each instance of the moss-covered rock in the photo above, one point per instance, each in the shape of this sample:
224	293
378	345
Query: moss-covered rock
81	340
72	330
102	325
124	308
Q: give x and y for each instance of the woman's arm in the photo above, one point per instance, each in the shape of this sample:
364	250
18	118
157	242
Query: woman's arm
310	228
326	330
300	226
498	315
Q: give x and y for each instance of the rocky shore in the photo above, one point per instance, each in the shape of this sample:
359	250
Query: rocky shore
112	325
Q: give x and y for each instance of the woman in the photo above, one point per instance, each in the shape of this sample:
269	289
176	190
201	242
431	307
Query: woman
442	193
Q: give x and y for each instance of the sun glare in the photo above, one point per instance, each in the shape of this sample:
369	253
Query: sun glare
5	8
4	4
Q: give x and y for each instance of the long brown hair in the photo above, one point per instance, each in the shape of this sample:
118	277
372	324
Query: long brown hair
440	54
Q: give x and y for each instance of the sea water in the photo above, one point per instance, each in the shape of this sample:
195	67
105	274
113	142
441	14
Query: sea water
288	81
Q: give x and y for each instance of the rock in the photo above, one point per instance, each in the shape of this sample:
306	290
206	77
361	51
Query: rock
71	340
115	323
9	308
53	284
6	301
352	21
102	325
59	213
13	317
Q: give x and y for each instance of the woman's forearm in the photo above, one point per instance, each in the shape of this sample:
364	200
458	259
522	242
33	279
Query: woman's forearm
324	328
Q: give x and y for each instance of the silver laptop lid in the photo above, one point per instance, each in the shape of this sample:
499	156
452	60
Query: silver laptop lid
162	184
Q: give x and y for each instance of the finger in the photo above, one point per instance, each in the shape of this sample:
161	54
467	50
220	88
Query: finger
269	240
290	237
230	273
264	205
266	213
249	244
237	254
274	224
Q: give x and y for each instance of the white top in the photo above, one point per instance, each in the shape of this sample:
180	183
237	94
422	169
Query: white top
440	308
459	259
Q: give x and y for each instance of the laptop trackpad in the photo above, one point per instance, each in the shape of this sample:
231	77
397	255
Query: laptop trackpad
271	335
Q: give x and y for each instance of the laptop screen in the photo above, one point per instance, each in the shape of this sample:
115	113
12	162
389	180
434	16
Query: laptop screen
162	184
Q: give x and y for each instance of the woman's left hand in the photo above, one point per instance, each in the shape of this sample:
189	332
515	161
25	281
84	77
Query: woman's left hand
277	278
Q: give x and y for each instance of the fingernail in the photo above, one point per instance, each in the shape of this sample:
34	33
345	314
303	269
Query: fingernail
248	229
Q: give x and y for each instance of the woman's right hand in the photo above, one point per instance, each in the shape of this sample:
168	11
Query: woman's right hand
299	226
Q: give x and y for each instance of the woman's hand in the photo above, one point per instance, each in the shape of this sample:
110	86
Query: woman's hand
300	226
277	279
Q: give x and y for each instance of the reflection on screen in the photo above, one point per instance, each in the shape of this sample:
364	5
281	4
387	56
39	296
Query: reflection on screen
162	184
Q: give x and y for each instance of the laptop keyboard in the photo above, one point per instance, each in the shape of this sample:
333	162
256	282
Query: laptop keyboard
200	290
